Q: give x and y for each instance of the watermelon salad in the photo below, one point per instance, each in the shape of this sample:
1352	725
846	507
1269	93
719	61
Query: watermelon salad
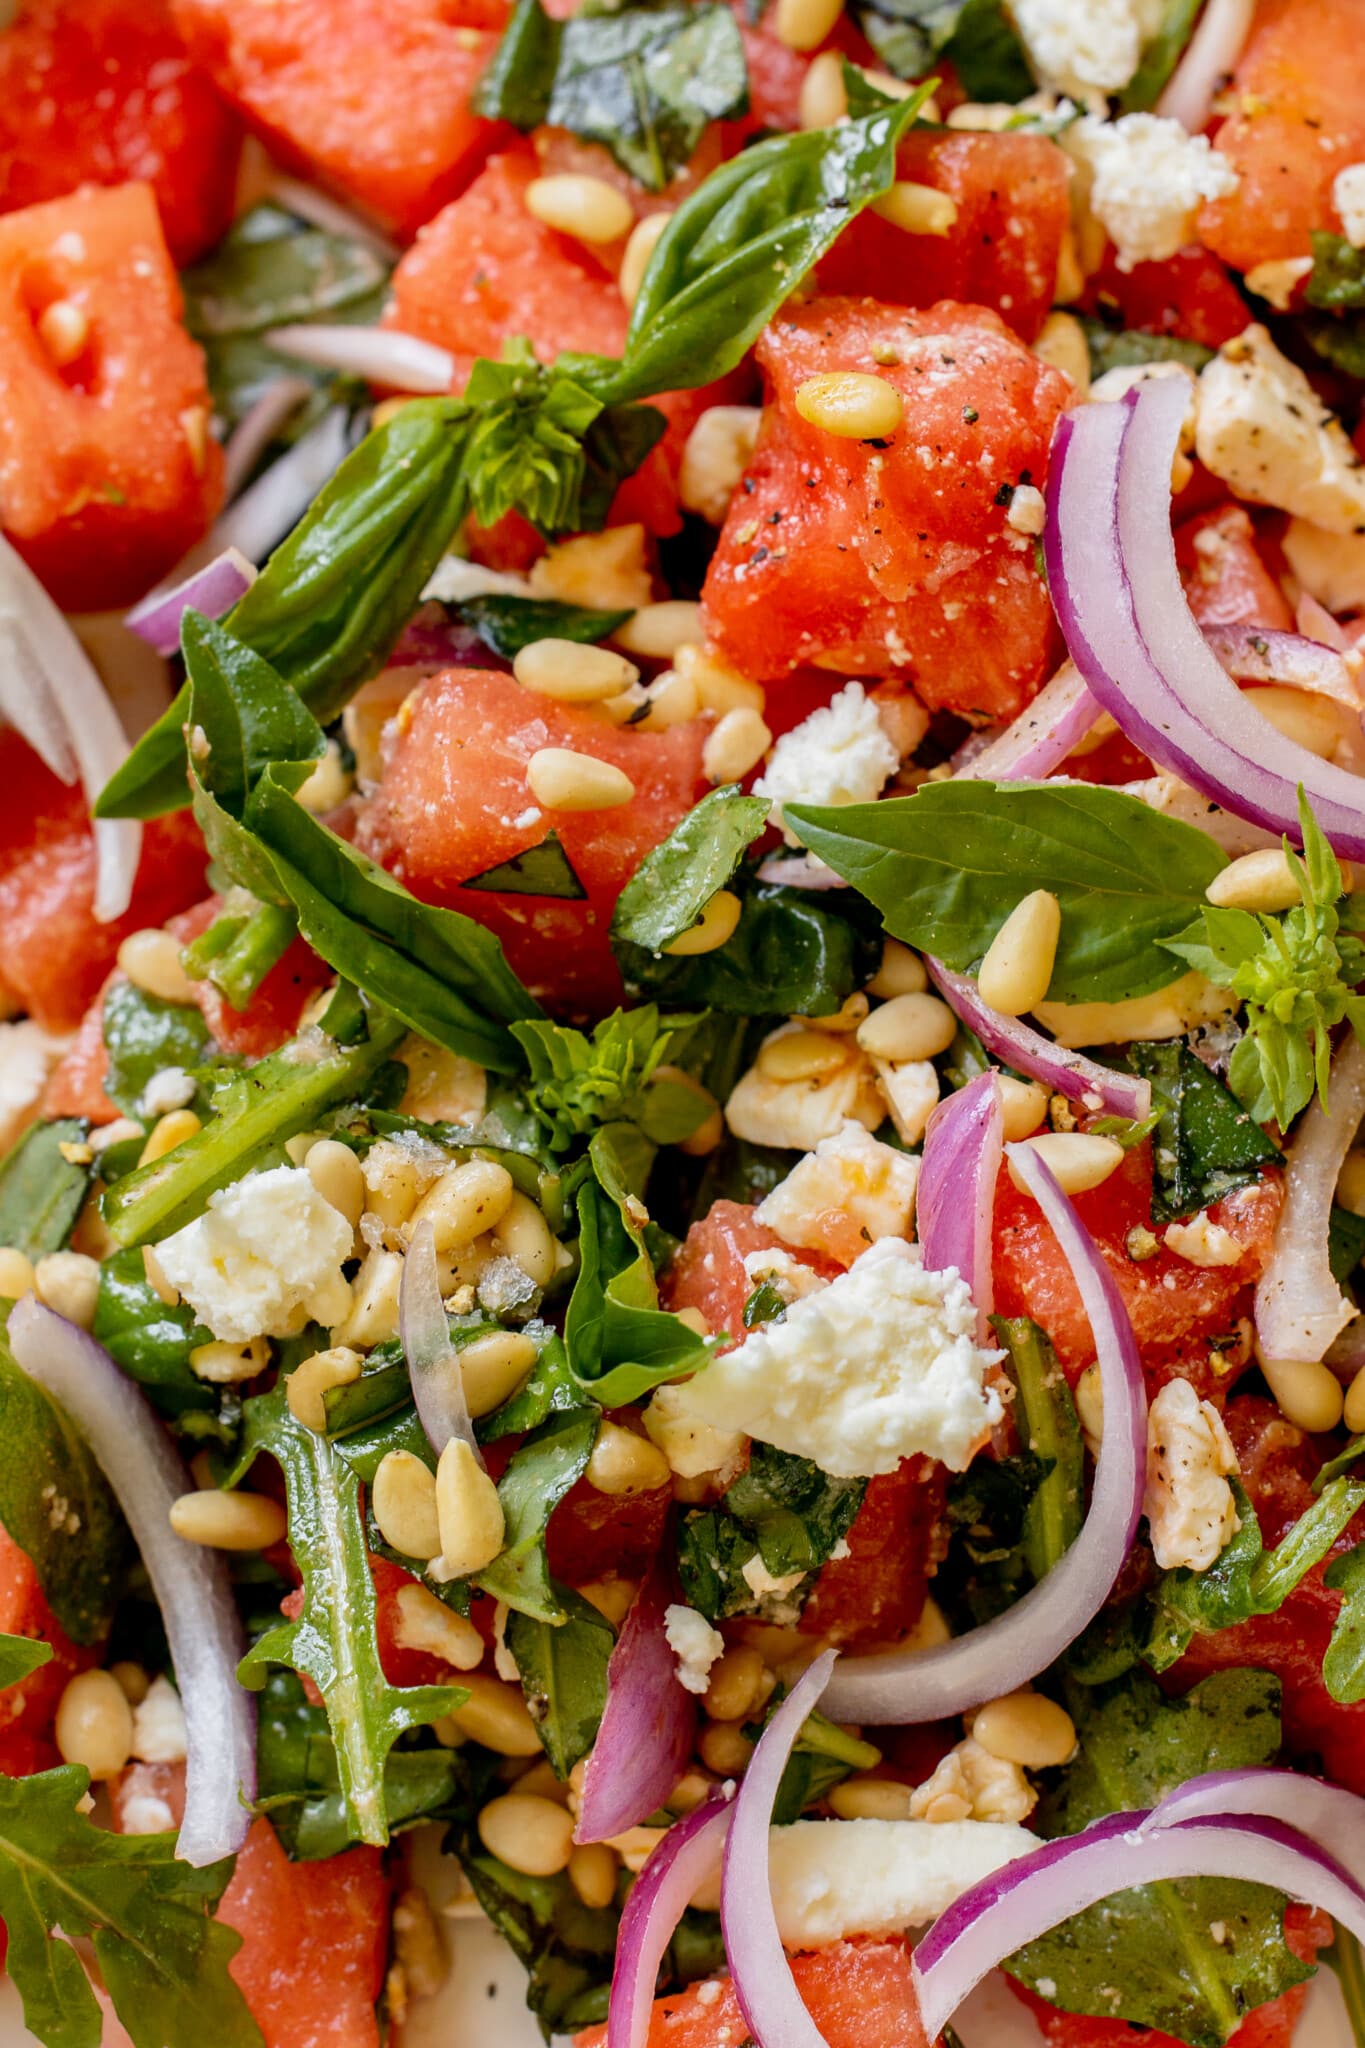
682	1090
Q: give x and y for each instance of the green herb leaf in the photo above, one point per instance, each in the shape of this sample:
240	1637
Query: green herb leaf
975	36
1346	1958
1045	1416
537	1479
543	870
1337	279
988	1510
147	1340
672	886
1121	348
563	1673
568	1948
783	1511
238	950
1345	1242
787	955
1206	1144
578	1083
19	1655
1343	1667
1160	56
142	1035
947	865
41	1191
507	624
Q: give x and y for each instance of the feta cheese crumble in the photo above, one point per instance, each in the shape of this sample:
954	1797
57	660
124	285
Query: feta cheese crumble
169	1088
159	1725
849	1192
1087	48
832	1878
694	1643
1148	180
264	1259
839	755
1348	196
1189	1505
1263	429
880	1365
788	1277
1329	566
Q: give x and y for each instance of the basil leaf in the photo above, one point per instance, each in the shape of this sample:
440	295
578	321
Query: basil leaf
1339	341
143	1034
1122	348
1205	1143
1160	56
670	889
543	870
974	36
248	719
507	624
947	865
42	1192
563	1673
782	1513
1337	279
988	1511
1343	1667
787	955
148	1340
20	1655
578	1083
539	1476
1045	1416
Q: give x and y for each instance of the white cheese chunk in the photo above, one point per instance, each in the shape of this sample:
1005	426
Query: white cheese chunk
850	1185
971	1784
1189	1505
693	1449
159	1725
27	1056
1203	1242
1263	429
169	1088
1148	180
878	1366
1348	196
839	755
833	1878
911	1091
694	1643
264	1259
796	1115
788	1277
1087	48
1329	566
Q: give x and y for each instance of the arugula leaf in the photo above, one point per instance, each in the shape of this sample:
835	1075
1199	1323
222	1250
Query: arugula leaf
1152	1944
540	1474
1343	1667
782	1510
645	81
147	1340
579	1082
333	1639
786	956
1206	1144
975	36
1337	279
42	1192
163	1957
674	883
19	1655
1114	348
947	865
142	1035
1160	56
1045	1415
563	1671
543	870
507	624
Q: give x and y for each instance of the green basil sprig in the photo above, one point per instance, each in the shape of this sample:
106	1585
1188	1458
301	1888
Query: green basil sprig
672	886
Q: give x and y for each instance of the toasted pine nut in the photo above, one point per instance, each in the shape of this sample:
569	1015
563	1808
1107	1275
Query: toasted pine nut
1063	345
870	1799
804	24
846	1018
588	208
672	700
496	1715
166	1133
622	1462
493	1367
308	1382
639	248
226	1363
1350	1192
854	405
563	780
1306	1394
338	1176
521	1233
94	1724
909	1027
572	672
717	452
1023	1105
1315	722
1020	958
657	631
394	1182
373	1314
529	1834
151	961
693	1319
800	1055
1077	1159
715	925
1025	1728
68	1283
468	1512
1353	1413
738	743
131	1680
902	972
719	687
426	1623
823	100
724	1748
156	1278
592	1873
918	209
63	329
16	1273
611	1597
1090	1407
228	1521
1070	281
1262	880
738	1684
403	1502
466	1201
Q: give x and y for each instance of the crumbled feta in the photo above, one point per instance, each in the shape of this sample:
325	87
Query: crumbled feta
1278	279
839	755
694	1643
1189	1505
878	1366
832	1878
1148	180
971	1784
169	1088
264	1259
1087	48
693	1449
1027	509
849	1192
1263	429
1329	566
716	454
796	1115
142	1807
763	1585
329	785
454	579
159	1725
1348	196
772	1267
911	1091
27	1056
1202	1242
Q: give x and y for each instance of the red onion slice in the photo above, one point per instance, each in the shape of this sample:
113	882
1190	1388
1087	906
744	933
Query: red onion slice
257	428
928	1685
955	1198
1299	1306
1018	1045
645	1735
1041	737
260	518
773	2008
683	1860
997	1917
1256	654
381	355
1330	1816
1114	581
799	871
324	212
1208	63
211	590
433	1362
192	1584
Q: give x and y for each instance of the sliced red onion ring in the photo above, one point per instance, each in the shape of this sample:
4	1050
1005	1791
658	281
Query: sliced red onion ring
647	1726
1043	734
433	1362
211	590
928	1685
52	695
1020	1046
955	1199
330	215
773	2008
1114	581
257	428
1330	1816
993	1920
267	509
799	871
659	1897
1299	1306
192	1585
1208	63
1256	654
382	355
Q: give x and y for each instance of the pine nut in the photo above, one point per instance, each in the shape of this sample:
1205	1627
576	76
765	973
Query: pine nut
403	1502
373	1315
528	1834
611	1597
693	1319
571	672
1353	1413
156	1278
870	1799
804	24
63	329
69	1284
719	687
1019	961
640	246
823	100
657	631
465	1202
738	1684
1315	722
563	780
588	208
623	1463
493	1367
151	961
131	1680
902	972
338	1176
426	1623
712	929
166	1133
688	1793
1077	1160
1070	281
1089	1394
1027	1729
592	1873
1062	345
194	425
909	1027
1350	1193
800	1056
226	1364
523	1234
672	700
606	571
496	1715
918	209
228	1521
1306	1394
16	1274
738	743
418	1946
394	1182
846	1018
716	454
308	1382
94	1724
1023	1105
855	405
1262	880
468	1512
724	1748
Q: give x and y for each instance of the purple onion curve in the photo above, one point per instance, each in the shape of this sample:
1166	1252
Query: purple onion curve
955	1198
1299	1306
683	1860
645	1735
212	590
1019	1046
1329	1815
433	1362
